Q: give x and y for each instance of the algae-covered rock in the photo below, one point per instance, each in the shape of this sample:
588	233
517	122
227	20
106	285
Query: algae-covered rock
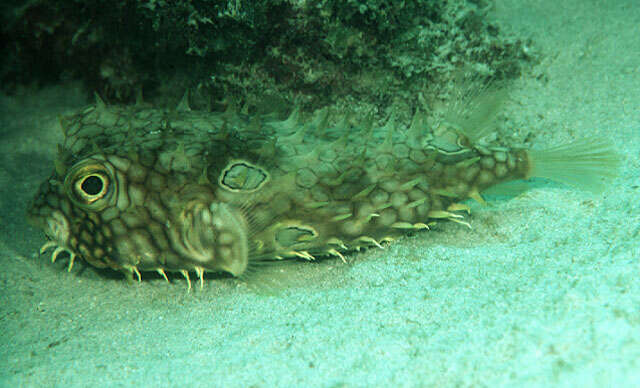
356	53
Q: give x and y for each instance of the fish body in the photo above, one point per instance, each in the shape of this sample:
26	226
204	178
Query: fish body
141	189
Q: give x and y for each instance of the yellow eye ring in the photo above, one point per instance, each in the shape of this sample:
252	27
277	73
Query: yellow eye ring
90	184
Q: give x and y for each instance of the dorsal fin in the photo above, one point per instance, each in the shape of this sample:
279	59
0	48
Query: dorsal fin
474	110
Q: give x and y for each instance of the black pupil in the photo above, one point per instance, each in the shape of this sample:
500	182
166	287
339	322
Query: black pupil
92	185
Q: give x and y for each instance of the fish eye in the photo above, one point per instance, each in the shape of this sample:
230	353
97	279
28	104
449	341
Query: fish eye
90	185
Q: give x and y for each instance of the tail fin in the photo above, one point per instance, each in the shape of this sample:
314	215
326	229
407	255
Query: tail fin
586	163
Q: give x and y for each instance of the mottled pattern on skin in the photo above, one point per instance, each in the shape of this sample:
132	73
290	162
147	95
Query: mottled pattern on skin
140	189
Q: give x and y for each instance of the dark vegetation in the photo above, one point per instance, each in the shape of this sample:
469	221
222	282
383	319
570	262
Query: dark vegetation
262	52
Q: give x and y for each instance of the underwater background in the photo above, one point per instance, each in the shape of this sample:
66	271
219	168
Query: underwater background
543	290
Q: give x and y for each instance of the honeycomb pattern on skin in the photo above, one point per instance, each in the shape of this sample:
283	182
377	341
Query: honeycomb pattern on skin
141	189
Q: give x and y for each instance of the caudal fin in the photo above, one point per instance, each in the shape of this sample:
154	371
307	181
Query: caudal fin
588	163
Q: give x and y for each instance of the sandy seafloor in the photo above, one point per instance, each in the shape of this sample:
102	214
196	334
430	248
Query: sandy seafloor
543	291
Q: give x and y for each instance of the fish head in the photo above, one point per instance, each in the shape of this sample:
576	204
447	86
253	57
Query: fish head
113	211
